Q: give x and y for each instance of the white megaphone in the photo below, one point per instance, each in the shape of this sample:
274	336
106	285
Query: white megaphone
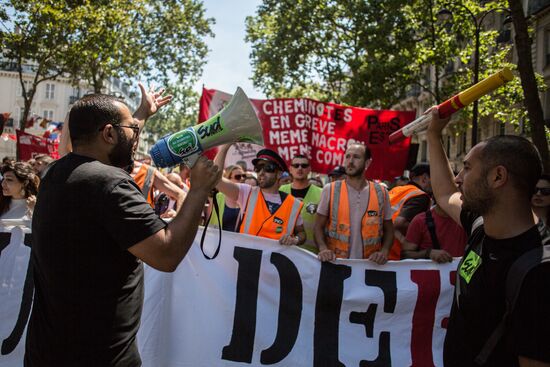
235	122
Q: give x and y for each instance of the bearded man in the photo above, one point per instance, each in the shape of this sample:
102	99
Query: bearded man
354	215
92	228
491	199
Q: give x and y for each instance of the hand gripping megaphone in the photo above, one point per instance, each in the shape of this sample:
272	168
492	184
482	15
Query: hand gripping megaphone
235	122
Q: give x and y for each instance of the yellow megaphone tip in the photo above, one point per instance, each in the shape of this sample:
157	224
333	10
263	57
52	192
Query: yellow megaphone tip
506	74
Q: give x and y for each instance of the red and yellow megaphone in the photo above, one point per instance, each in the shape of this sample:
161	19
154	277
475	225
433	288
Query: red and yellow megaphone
455	103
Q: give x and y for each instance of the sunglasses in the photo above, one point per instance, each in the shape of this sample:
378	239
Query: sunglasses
298	165
544	191
239	177
268	168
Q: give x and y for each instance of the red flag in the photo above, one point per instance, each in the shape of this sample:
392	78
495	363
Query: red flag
322	131
30	145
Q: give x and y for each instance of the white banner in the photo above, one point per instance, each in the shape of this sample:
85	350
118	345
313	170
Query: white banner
258	303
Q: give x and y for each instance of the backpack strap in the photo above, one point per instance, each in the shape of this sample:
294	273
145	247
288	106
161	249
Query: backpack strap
514	280
431	228
148	181
478	222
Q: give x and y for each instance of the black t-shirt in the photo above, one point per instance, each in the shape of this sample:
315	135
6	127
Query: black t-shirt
88	287
230	216
482	304
299	193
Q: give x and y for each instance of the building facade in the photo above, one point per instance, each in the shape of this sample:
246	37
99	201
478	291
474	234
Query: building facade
53	100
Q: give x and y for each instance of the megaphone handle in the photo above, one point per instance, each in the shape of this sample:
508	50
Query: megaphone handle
217	209
191	160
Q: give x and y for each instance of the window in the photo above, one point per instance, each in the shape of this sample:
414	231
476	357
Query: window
19	91
18	115
48	114
50	91
547	46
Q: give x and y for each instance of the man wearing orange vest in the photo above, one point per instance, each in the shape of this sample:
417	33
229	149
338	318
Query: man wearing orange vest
150	179
354	215
407	201
267	212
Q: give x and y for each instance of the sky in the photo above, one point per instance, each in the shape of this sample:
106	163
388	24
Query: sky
228	65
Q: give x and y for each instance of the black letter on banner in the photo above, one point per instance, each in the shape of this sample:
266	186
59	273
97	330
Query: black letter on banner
290	310
10	343
241	347
327	314
387	281
365	318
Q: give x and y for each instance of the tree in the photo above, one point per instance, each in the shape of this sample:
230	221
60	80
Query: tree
529	82
153	39
34	43
94	40
179	114
328	47
371	53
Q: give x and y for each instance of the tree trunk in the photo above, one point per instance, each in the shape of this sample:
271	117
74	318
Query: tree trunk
529	83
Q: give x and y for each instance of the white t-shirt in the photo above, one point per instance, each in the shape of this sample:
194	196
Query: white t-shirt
18	210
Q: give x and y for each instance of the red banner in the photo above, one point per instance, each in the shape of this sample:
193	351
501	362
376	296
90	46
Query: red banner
30	145
322	131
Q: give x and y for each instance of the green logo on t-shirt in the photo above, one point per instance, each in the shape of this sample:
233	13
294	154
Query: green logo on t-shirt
469	266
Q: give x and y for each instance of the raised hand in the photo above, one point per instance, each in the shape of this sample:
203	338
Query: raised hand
151	102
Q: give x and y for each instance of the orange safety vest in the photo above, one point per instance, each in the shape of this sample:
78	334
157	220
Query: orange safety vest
258	221
399	195
338	229
144	179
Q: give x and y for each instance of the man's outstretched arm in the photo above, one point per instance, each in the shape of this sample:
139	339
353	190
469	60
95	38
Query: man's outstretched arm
444	188
165	249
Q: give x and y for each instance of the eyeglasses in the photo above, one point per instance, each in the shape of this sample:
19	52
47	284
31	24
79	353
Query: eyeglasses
135	128
239	177
268	168
298	165
544	191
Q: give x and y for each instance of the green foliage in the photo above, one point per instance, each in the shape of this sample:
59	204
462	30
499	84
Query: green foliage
329	48
94	40
33	40
374	53
152	39
179	114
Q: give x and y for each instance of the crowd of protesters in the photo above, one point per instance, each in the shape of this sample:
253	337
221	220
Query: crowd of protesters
427	213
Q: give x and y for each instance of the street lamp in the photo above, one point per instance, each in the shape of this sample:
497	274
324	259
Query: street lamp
446	14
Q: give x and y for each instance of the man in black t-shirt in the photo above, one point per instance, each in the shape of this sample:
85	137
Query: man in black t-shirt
92	228
492	203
